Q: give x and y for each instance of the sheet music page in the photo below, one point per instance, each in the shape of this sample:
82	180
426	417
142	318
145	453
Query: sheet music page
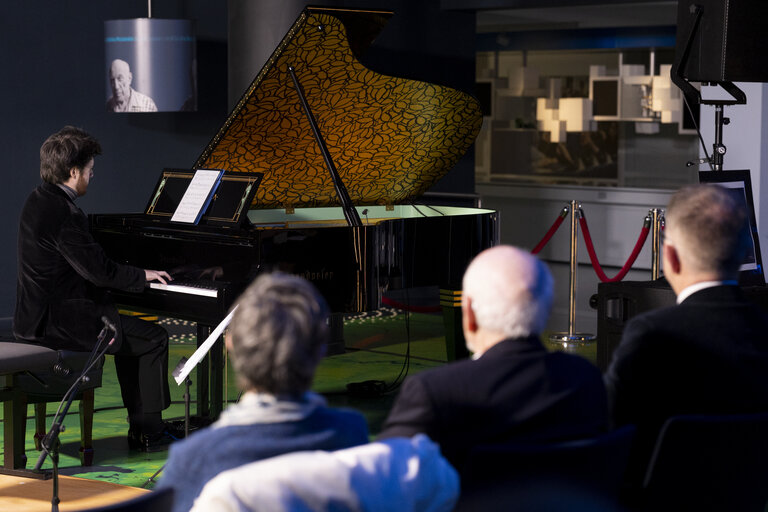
200	353
197	196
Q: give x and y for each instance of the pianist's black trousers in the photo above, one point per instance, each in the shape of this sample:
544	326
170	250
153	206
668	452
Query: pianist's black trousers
142	368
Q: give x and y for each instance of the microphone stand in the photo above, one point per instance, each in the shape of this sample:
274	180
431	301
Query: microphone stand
50	443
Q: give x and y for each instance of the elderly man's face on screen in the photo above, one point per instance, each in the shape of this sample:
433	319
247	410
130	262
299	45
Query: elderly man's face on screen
120	80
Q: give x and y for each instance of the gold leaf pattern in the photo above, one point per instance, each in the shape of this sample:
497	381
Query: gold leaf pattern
390	138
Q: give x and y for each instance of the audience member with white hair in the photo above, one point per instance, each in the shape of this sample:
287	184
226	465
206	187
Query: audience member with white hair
512	389
277	338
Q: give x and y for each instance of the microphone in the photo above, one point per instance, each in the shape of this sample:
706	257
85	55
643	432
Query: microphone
108	324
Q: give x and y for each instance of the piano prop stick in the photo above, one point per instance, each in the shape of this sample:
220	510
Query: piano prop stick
350	213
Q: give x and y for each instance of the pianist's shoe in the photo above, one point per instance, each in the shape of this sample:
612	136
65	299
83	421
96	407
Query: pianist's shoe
155	442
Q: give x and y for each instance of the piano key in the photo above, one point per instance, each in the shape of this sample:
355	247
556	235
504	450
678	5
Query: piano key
188	288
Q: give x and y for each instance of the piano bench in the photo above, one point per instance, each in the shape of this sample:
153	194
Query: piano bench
35	374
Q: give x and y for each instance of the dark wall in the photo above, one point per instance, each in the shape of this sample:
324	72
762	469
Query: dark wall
52	57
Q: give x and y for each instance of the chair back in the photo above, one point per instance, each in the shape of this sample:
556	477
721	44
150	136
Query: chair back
709	462
154	501
588	471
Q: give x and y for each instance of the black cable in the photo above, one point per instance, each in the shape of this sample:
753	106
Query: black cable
698	132
395	384
378	388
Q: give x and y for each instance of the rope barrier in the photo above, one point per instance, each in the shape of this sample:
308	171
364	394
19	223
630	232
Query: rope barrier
593	256
555	225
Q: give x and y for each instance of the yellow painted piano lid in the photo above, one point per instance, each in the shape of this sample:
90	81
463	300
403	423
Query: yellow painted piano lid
390	138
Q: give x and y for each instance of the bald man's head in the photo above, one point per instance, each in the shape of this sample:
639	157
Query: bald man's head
120	79
509	291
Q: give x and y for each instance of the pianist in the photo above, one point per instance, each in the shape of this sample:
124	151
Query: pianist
62	273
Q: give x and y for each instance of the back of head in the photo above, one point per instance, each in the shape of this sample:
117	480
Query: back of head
69	147
278	334
709	227
510	291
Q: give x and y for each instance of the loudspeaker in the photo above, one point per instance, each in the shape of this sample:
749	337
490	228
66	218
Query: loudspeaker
729	44
618	302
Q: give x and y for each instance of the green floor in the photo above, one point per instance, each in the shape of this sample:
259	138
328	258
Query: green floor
376	346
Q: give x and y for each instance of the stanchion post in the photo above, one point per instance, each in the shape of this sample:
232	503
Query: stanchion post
572	337
657	221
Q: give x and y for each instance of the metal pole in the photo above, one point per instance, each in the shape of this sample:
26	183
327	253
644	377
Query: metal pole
572	338
718	148
574	269
657	220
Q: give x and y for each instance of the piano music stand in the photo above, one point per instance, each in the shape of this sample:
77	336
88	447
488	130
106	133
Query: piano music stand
229	206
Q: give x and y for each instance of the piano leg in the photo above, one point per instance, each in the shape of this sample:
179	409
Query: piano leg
455	345
336	343
203	409
210	370
217	377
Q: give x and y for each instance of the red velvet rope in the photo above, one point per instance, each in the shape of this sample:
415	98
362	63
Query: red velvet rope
559	220
593	256
406	307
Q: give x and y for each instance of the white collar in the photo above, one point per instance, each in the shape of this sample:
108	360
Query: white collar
703	285
256	407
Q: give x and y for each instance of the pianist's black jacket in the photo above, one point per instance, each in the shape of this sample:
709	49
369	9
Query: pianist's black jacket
62	271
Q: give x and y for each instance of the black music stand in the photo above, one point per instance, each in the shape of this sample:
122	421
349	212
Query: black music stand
228	208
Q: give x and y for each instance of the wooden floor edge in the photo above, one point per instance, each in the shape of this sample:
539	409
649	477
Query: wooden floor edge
34	495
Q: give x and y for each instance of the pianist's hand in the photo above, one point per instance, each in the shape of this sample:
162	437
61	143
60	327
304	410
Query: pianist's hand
157	275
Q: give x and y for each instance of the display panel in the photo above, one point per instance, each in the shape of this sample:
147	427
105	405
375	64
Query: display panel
739	185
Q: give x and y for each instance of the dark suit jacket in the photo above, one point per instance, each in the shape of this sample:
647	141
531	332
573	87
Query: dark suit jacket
707	355
517	391
61	269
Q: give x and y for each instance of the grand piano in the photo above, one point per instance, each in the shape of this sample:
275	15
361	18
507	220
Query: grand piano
315	119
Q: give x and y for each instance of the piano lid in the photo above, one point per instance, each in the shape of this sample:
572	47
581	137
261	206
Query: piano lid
390	138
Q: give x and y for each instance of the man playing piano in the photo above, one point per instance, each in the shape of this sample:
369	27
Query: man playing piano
62	274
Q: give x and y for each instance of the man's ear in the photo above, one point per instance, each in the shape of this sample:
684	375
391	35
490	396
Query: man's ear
74	172
469	319
671	259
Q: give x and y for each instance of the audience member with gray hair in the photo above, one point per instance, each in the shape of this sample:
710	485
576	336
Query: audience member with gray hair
512	389
277	338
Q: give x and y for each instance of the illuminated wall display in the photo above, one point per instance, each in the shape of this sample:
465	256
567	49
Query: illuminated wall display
150	65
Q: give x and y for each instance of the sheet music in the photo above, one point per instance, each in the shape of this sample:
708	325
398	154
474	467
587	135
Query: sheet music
200	353
197	196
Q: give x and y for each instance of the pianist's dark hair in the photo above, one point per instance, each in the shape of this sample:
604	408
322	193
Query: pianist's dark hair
278	334
69	147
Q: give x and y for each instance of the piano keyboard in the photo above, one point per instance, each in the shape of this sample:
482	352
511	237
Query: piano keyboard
188	287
